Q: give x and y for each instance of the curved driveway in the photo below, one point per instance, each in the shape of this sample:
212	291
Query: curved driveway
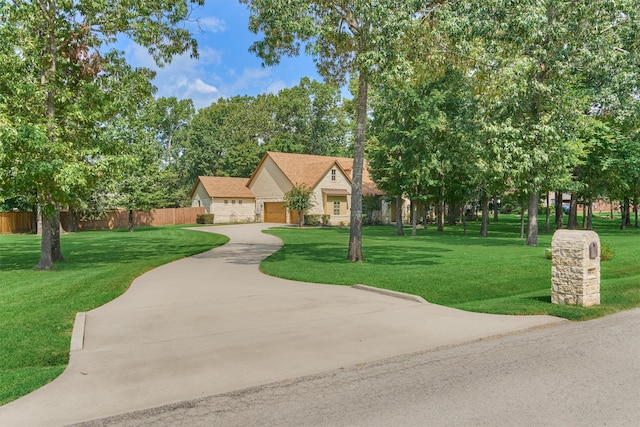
212	323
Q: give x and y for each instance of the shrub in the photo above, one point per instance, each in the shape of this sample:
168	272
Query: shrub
204	219
325	219
507	208
548	253
606	252
312	220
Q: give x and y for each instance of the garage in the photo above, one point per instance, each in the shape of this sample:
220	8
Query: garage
275	212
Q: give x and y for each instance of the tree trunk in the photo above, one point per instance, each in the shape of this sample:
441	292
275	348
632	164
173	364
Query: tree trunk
399	229
131	225
46	244
532	224
38	219
414	218
611	209
635	212
624	210
440	214
584	216
425	215
355	227
451	220
627	204
547	225
464	220
572	224
522	222
495	209
590	216
56	251
559	211
484	227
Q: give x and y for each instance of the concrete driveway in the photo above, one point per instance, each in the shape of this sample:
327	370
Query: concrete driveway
213	323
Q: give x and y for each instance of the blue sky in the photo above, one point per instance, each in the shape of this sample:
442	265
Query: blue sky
226	67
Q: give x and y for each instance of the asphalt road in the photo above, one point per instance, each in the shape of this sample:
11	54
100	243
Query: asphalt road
572	374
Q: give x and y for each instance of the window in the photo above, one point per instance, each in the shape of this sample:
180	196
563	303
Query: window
226	202
333	174
233	202
336	208
239	202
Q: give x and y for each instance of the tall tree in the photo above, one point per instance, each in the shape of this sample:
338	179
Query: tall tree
353	37
67	87
167	118
531	55
310	119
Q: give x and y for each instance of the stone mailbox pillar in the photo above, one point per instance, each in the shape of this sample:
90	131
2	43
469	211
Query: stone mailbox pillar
575	274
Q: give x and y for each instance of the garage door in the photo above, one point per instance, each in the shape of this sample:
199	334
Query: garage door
275	212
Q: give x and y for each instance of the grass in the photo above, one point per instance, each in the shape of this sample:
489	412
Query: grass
38	308
498	274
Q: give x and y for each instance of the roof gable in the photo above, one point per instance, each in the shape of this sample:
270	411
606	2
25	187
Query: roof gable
309	169
219	187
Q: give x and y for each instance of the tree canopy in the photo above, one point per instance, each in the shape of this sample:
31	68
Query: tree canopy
61	84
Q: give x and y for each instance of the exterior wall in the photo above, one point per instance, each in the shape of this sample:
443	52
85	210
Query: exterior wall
324	204
234	210
201	198
270	184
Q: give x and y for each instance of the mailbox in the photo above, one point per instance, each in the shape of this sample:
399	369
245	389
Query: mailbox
575	271
593	250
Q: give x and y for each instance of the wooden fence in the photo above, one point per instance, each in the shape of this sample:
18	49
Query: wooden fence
155	218
22	222
16	222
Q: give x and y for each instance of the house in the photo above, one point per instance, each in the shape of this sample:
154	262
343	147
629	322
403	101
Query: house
277	173
228	199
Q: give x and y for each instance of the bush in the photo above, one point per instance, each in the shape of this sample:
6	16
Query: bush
606	252
204	219
325	219
312	220
507	208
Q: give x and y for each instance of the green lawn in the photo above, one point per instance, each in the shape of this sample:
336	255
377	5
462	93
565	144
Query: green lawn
498	274
38	308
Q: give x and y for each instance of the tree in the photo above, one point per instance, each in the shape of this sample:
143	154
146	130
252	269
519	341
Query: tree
140	184
424	133
63	87
168	119
299	199
310	120
532	57
346	37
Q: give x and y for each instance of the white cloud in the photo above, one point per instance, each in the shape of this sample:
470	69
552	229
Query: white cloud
248	81
184	77
277	86
211	24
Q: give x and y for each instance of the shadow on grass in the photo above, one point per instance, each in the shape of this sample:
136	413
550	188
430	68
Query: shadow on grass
87	250
544	298
387	254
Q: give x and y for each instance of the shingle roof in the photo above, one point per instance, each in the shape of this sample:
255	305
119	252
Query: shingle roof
308	169
217	186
